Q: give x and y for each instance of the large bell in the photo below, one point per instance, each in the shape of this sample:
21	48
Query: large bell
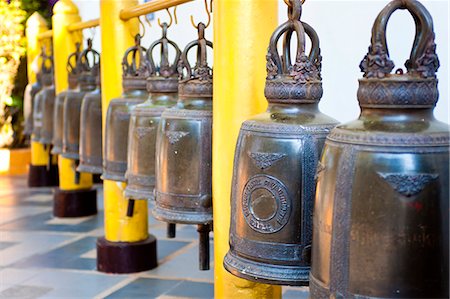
381	216
91	158
183	150
87	65
275	162
45	95
135	73
29	98
58	115
163	88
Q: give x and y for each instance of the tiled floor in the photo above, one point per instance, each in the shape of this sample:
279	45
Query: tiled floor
46	257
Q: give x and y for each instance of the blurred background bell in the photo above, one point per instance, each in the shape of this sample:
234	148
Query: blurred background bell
135	73
91	150
183	191
87	66
58	116
29	98
43	103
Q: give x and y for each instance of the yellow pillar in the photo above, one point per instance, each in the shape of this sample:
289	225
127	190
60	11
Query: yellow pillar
127	247
117	36
65	12
242	30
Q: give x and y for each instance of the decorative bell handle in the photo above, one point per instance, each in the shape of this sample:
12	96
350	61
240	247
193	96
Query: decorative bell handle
46	68
83	60
165	68
423	59
72	60
201	69
137	66
281	65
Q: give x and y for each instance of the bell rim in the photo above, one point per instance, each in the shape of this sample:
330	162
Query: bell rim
139	195
56	149
112	177
186	217
90	169
299	275
70	155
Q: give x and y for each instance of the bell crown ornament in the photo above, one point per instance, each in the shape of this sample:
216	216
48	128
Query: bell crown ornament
88	67
72	67
164	77
196	81
417	88
46	75
300	82
135	67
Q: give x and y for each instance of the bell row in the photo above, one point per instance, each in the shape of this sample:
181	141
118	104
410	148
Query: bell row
356	209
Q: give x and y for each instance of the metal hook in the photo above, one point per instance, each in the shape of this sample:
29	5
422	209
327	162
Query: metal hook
171	18
143	27
207	12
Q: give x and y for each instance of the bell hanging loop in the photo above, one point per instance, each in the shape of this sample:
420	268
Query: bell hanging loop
208	14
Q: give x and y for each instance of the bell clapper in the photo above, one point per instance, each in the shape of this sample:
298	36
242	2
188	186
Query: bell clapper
130	208
49	162
77	173
171	230
203	247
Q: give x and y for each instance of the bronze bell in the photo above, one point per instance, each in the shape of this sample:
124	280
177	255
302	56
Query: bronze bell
91	158
162	86
87	65
183	149
58	115
381	215
29	99
275	161
45	96
134	78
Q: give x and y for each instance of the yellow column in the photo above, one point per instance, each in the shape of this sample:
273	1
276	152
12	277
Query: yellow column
65	12
117	36
242	29
35	25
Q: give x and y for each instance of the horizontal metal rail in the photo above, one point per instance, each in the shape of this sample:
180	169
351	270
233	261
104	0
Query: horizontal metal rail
45	35
149	7
83	25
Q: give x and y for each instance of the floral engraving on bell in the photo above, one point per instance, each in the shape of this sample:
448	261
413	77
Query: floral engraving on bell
141	132
408	184
175	136
265	204
265	160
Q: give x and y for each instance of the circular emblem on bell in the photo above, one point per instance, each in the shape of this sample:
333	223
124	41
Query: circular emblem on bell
265	204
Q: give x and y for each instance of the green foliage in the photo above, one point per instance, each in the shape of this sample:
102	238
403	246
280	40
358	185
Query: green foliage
12	48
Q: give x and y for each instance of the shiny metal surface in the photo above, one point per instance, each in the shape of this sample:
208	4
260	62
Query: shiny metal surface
136	69
381	218
28	124
91	158
88	69
275	162
162	86
58	115
46	94
183	191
